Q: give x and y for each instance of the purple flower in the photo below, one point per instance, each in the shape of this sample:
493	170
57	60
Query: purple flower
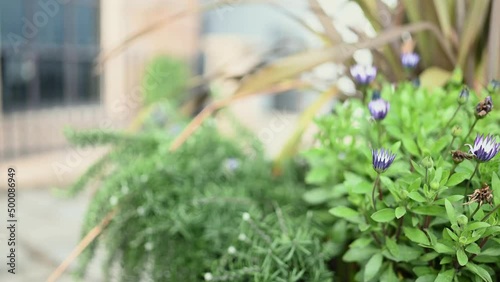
485	147
410	60
231	164
382	159
494	85
378	108
363	74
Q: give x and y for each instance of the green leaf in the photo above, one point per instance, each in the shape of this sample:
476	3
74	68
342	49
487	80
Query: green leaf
373	266
415	184
438	146
407	253
443	249
416	235
389	275
318	175
410	146
359	254
446	260
462	257
416	196
400	211
479	271
450	211
429	256
476	225
495	186
445	276
395	147
452	235
430	210
417	167
317	196
437	175
473	249
383	215
346	213
457	178
426	278
392	246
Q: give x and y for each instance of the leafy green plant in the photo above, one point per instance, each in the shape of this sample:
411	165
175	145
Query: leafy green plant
413	217
172	215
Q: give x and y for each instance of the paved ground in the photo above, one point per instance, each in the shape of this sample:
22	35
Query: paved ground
48	229
48	226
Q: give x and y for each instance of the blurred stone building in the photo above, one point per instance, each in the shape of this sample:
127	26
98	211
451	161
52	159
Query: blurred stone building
49	79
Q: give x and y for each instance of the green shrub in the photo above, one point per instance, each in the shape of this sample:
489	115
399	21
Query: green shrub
176	213
412	221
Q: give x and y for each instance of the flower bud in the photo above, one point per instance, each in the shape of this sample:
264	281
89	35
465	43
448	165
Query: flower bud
434	185
462	220
404	194
427	162
462	240
456	131
463	97
494	86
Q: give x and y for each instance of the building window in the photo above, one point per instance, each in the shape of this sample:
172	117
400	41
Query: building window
47	52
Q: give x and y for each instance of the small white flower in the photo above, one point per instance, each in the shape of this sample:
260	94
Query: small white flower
125	189
148	246
242	237
113	200
246	216
141	211
208	276
231	250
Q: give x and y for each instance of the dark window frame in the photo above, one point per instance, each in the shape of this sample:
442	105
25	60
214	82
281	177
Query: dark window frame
73	56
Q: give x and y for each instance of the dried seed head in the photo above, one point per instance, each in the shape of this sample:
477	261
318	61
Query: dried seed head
459	156
484	107
481	196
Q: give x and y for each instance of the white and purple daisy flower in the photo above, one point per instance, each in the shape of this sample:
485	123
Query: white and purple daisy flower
410	60
485	147
382	159
378	108
363	74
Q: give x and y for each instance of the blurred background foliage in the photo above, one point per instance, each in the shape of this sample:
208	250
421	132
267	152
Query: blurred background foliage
448	35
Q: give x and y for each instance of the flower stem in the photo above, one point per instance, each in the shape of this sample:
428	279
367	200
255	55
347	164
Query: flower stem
452	170
426	176
379	132
470	131
490	213
400	226
470	180
449	121
374	189
364	93
449	146
475	211
481	245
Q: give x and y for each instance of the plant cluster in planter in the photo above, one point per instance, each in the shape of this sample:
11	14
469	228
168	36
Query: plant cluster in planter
412	179
211	210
